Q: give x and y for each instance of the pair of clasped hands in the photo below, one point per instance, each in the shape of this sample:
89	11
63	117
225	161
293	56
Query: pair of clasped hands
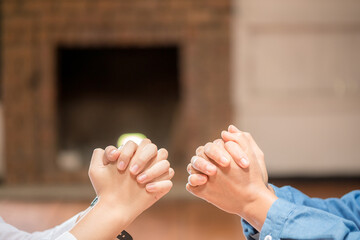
229	172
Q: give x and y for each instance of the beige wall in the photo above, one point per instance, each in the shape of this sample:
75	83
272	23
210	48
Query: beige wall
296	78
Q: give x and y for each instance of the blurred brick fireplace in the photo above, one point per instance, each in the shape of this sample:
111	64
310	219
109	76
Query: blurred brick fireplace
34	31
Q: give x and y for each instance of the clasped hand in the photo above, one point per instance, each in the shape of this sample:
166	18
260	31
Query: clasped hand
124	192
231	174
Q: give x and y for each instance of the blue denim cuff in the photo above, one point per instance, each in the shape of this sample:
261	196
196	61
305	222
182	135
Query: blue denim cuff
276	217
283	192
249	232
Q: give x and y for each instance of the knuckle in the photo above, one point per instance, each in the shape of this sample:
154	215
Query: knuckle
125	156
97	150
191	180
166	164
199	150
208	147
150	152
141	160
131	143
201	165
145	141
167	184
163	153
164	188
193	170
171	173
188	167
211	150
170	185
147	150
153	147
195	161
247	135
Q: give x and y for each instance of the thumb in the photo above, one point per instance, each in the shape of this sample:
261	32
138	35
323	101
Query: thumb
111	154
97	158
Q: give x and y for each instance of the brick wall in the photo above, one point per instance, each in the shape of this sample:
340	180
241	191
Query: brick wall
32	29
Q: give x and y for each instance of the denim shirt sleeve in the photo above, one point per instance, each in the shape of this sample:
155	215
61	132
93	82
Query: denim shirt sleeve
347	207
286	220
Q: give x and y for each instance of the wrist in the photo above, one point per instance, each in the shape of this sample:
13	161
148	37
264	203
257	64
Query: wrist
112	210
256	208
270	188
103	221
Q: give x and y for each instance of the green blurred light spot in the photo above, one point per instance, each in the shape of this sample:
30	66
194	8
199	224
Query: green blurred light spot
135	137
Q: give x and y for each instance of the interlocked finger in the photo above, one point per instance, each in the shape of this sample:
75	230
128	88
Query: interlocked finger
203	166
155	171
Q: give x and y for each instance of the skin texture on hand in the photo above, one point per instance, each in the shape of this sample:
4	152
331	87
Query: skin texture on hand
121	197
255	148
234	189
158	169
199	171
228	183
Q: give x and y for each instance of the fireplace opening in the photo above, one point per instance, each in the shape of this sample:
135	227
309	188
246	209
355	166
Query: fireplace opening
103	92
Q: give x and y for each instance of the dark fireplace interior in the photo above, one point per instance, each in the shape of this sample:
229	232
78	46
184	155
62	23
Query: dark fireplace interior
106	91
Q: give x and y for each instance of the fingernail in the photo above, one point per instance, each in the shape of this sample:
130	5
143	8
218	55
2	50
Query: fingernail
224	160
193	160
189	180
244	161
113	152
121	165
142	177
210	168
134	169
150	187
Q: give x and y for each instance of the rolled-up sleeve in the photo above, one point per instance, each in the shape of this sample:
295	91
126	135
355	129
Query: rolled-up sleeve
297	216
347	207
286	220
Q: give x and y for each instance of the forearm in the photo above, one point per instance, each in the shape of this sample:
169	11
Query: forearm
104	221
